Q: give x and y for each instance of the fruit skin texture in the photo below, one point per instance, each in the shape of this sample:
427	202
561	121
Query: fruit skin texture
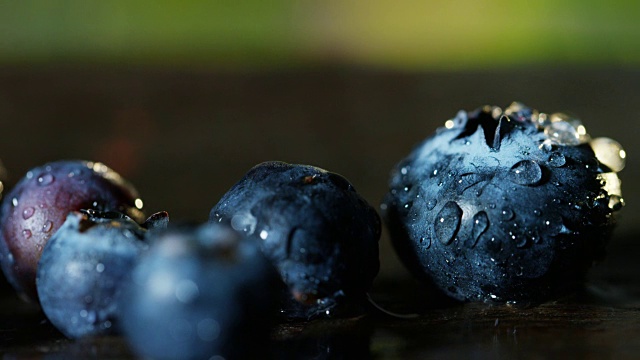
38	205
198	293
488	213
82	268
313	226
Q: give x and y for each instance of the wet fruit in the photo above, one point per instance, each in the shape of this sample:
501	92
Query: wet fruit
83	267
320	234
201	293
509	205
39	203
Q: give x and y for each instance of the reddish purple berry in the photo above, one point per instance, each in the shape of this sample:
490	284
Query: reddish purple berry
38	205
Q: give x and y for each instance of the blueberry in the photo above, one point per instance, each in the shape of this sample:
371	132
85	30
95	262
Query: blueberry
198	293
505	205
82	268
39	203
319	233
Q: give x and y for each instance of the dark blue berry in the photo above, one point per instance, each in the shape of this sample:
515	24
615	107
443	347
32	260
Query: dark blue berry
320	234
200	293
38	205
503	206
82	268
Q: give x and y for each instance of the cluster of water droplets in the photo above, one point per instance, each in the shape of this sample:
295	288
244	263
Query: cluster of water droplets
561	129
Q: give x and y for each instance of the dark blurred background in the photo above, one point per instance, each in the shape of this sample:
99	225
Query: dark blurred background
182	98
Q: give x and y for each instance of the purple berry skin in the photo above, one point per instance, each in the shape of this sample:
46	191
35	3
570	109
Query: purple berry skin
39	204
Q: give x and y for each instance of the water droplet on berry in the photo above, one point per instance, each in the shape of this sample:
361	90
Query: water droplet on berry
526	172
556	159
562	133
616	202
46	227
408	205
404	170
518	239
611	183
26	233
45	179
14	201
28	212
425	242
480	225
448	222
537	212
609	152
507	214
431	204
534	236
244	222
100	267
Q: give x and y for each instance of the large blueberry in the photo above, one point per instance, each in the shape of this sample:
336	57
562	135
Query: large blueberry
505	205
200	293
39	203
82	268
320	234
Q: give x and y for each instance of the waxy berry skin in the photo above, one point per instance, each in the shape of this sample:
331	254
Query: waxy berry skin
82	269
504	206
315	228
40	202
200	293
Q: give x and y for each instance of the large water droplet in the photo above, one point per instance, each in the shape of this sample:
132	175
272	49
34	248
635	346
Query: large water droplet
556	159
609	152
562	133
45	179
611	183
28	212
448	222
525	172
480	225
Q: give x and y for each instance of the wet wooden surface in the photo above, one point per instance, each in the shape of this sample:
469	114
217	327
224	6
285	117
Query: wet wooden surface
184	137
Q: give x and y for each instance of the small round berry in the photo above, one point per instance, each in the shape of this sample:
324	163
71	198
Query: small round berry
315	228
40	202
200	293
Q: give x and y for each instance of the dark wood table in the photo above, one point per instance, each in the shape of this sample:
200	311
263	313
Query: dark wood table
184	137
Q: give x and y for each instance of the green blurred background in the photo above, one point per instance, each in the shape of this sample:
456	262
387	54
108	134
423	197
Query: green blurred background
402	34
182	98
